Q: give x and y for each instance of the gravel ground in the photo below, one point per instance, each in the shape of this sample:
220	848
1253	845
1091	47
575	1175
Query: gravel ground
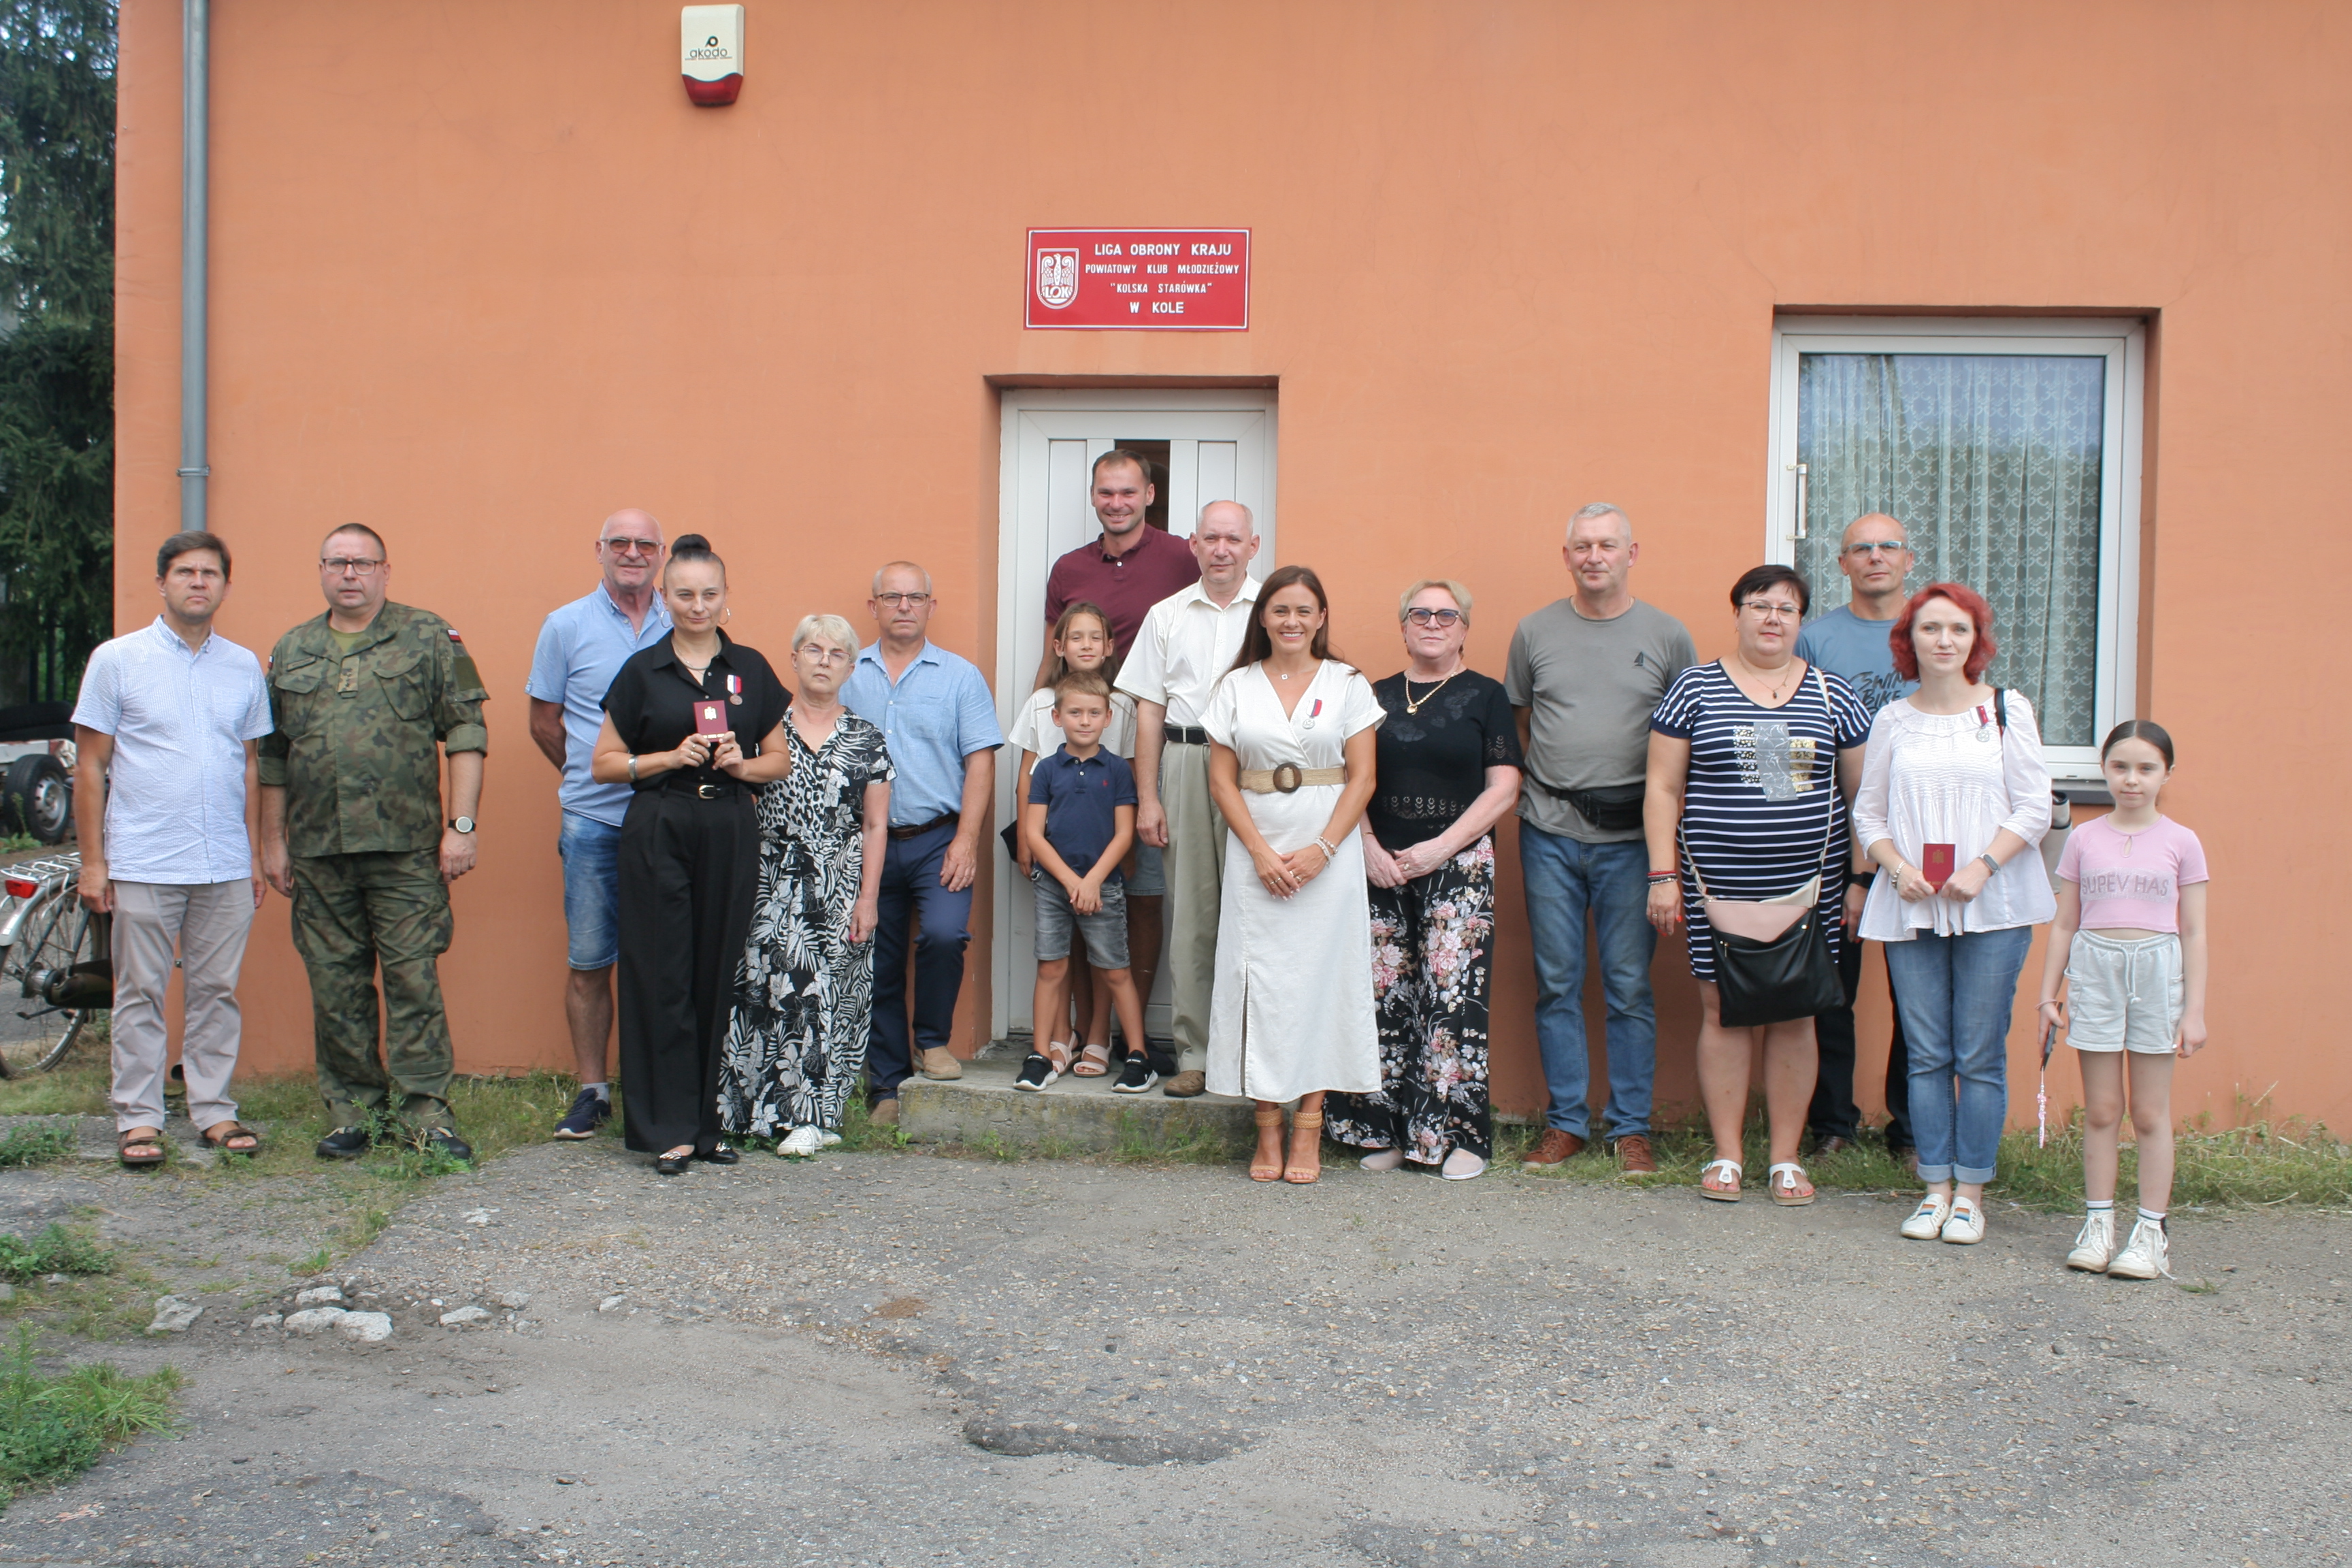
902	1359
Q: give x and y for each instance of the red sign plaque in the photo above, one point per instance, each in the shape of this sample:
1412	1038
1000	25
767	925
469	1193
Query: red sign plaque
1131	279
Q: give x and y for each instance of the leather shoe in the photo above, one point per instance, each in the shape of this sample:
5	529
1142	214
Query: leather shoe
1634	1155
1555	1147
1187	1085
1833	1144
884	1112
720	1155
344	1144
445	1141
940	1063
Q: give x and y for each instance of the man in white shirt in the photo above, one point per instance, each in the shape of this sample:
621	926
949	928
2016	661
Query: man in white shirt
172	712
1189	640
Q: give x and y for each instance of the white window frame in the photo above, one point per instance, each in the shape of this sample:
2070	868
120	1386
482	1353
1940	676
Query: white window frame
2122	341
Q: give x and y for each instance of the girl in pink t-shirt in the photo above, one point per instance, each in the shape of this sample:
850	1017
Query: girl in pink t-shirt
2129	945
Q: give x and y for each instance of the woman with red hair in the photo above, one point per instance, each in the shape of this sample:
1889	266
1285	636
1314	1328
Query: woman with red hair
1954	797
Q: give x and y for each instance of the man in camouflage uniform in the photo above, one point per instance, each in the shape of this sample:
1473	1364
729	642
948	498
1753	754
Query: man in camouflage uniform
365	699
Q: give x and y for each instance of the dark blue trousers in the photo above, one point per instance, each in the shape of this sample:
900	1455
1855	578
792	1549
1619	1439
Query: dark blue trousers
911	896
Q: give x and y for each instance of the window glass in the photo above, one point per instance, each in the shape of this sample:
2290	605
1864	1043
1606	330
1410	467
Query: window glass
1992	462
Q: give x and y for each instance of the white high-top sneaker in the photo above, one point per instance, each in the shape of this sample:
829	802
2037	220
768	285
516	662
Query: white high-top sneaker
2145	1256
2097	1243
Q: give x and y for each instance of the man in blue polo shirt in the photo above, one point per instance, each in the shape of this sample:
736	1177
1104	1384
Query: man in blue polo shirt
581	647
934	711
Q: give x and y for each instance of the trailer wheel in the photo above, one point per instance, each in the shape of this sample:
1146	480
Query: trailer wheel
37	798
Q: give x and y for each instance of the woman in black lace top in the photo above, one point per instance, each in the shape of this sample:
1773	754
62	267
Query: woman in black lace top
1449	770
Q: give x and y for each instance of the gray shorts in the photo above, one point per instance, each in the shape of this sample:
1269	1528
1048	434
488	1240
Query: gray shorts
1149	878
2123	996
1105	930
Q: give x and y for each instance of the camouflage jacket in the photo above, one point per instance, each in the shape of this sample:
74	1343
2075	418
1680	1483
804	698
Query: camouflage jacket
354	744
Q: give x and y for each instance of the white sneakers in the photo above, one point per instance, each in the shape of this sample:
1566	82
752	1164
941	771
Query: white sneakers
2145	1256
2095	1244
1954	1219
802	1143
1927	1221
1966	1225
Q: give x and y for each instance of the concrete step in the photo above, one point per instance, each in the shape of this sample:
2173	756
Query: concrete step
1076	1115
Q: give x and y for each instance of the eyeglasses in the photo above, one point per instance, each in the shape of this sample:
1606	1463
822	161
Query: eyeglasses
336	565
902	601
1771	611
1877	547
1421	617
633	546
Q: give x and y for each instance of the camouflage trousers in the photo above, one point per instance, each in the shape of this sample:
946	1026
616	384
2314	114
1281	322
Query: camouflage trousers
353	912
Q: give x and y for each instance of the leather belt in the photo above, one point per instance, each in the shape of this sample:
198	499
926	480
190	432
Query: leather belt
916	830
701	789
1185	734
1290	778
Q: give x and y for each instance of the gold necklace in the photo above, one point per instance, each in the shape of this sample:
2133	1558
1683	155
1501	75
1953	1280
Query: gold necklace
1412	706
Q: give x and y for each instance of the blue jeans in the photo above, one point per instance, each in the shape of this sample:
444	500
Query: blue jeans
591	889
1566	879
1956	994
909	888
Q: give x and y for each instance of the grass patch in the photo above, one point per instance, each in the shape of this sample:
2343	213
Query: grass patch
77	1088
36	1145
54	1428
56	1250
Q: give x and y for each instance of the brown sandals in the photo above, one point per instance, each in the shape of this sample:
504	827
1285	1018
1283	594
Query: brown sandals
147	1141
234	1137
1267	1116
1305	1169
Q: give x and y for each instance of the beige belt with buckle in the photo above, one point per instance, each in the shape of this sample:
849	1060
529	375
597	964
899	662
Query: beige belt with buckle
1290	778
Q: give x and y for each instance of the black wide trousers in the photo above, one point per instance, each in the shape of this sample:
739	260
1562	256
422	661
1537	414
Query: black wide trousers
689	872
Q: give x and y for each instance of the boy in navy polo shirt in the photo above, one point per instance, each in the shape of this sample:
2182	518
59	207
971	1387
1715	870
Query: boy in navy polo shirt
1081	813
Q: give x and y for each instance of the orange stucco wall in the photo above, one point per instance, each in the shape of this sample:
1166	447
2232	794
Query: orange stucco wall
482	274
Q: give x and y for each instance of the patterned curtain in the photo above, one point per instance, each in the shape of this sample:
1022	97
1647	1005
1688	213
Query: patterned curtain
1991	464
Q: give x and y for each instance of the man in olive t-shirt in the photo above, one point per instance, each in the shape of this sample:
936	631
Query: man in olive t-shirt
1585	673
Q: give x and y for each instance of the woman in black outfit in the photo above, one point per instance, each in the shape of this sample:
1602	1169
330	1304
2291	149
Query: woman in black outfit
689	856
1449	770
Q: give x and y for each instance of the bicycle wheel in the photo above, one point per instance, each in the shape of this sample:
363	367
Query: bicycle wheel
63	957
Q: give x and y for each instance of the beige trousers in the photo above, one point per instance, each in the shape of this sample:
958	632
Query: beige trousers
204	925
1196	868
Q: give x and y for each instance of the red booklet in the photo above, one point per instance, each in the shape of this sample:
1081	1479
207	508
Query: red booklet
1937	862
710	719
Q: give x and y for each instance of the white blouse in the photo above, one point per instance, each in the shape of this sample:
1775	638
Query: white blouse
1957	779
1032	728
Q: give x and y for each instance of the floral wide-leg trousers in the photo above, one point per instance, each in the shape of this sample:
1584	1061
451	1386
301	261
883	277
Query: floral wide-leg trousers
1431	959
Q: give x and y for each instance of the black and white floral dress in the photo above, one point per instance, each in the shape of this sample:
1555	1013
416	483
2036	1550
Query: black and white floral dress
803	990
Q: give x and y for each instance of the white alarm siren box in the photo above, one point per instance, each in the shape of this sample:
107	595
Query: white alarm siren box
710	52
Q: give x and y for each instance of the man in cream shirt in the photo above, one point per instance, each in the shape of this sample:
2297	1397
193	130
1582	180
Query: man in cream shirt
1188	641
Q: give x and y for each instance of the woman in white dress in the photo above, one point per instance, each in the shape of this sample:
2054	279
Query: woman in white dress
1290	768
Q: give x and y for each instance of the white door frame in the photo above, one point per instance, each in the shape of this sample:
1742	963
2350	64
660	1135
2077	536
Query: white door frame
1041	513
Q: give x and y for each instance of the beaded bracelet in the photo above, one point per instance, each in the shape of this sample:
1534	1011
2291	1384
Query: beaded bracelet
1329	853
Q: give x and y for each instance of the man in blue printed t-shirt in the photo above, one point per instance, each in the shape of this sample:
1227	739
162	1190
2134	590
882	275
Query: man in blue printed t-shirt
581	647
1851	641
935	712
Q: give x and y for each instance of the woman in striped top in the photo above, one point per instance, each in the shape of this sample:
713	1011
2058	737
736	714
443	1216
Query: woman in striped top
1752	760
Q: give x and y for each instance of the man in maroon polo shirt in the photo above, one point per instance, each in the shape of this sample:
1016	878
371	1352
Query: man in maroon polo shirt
1130	568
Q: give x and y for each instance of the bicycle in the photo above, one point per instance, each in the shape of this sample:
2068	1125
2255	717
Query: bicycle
55	952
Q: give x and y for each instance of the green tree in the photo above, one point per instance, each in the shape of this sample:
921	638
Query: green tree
56	339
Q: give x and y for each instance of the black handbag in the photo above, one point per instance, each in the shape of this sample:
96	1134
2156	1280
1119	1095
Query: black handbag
1615	808
1779	978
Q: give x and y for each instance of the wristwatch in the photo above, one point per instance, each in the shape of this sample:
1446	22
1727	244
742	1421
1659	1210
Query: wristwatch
1990	864
462	824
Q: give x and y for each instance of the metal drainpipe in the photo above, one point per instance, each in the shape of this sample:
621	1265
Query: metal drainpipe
194	149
